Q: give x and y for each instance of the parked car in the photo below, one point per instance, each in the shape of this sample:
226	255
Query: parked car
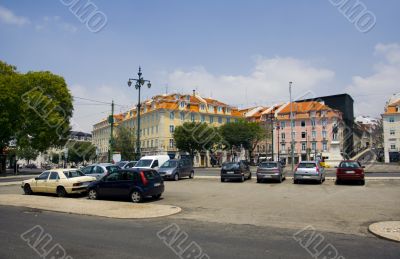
176	169
270	171
134	183
152	162
121	163
235	171
31	166
58	181
129	165
309	170
99	170
349	170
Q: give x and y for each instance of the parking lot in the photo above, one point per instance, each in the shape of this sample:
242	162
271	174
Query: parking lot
345	209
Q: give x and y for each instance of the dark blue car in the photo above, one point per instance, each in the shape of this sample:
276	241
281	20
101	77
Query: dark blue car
135	183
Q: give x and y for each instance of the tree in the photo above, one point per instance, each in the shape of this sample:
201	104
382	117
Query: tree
193	137
55	158
124	142
27	153
242	134
80	151
35	109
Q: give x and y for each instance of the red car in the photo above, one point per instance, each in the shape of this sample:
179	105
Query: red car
350	171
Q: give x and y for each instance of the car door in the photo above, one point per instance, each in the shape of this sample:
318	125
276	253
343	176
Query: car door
52	182
41	181
108	185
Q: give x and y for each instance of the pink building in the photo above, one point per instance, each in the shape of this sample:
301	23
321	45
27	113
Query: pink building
317	128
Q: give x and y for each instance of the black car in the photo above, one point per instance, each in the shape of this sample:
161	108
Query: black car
134	183
235	171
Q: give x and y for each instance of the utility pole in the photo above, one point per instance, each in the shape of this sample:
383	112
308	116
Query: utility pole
291	126
111	121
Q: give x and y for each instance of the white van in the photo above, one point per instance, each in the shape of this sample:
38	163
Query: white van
153	162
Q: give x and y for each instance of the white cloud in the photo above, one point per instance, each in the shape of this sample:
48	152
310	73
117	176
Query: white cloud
8	17
266	84
57	22
373	91
87	113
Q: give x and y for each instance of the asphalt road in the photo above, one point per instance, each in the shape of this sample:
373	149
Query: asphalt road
94	237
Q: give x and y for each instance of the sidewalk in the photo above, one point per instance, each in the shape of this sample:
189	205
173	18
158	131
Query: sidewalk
388	230
109	209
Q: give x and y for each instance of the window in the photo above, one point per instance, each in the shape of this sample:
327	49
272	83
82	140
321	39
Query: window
283	124
393	146
172	115
54	176
236	120
283	146
155	164
324	122
171	143
313	122
293	135
293	123
151	143
43	176
392	132
303	146
324	146
391	119
324	134
182	116
219	109
303	124
152	130
314	134
314	146
211	119
228	110
192	117
323	113
203	118
313	114
283	135
113	177
171	128
228	120
202	106
210	107
303	135
72	174
182	105
220	119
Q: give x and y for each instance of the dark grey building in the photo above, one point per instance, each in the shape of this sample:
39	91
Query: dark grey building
345	104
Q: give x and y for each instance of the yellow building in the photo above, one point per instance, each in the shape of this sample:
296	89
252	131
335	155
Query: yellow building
161	115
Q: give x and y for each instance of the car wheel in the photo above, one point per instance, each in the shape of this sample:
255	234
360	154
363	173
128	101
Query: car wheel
136	197
321	180
191	175
27	189
242	179
92	194
61	192
295	181
258	180
176	177
280	179
156	197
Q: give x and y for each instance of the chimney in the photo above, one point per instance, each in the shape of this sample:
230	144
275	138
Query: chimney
194	92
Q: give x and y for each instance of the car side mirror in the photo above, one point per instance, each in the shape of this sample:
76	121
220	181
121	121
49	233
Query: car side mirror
37	178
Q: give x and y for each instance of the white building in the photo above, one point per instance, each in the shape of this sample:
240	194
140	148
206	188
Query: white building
391	129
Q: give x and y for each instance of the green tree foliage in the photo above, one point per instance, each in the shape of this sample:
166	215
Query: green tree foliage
27	153
242	134
55	158
193	137
124	142
80	151
35	109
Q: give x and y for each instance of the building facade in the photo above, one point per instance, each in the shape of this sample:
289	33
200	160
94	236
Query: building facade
160	116
391	130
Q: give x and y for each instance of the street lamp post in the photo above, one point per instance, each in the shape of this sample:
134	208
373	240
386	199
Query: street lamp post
271	117
291	126
139	82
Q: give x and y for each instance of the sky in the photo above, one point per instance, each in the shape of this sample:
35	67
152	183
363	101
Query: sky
243	53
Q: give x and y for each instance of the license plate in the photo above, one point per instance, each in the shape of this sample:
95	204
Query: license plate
230	172
267	176
349	172
156	184
306	176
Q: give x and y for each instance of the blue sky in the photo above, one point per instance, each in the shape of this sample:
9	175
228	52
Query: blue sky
240	52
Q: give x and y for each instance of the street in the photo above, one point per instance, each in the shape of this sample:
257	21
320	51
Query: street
227	220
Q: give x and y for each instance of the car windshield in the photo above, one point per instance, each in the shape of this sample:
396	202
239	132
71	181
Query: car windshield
112	168
349	165
230	166
307	165
72	174
268	165
120	164
170	164
144	163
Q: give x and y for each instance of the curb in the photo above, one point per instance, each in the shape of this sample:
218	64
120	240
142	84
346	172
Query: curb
10	183
329	178
389	230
